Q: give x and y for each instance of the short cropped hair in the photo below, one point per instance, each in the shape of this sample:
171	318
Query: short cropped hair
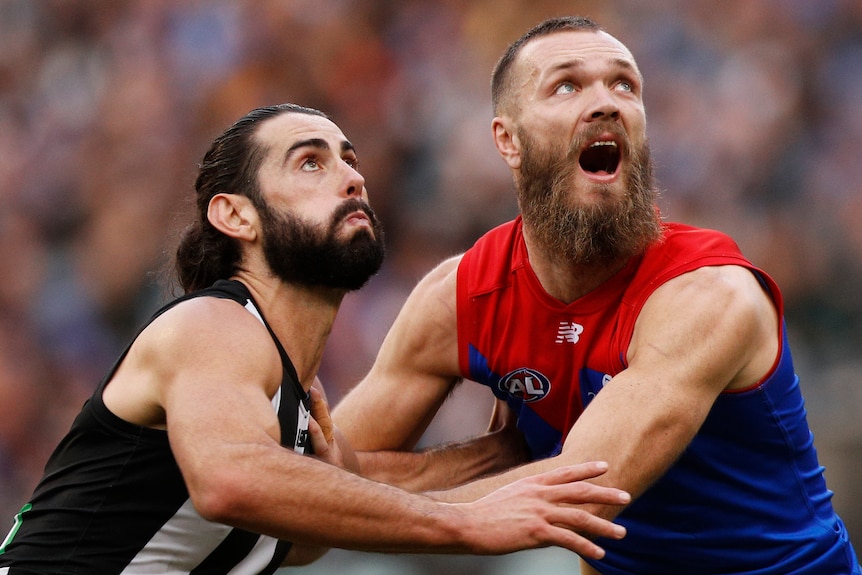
501	79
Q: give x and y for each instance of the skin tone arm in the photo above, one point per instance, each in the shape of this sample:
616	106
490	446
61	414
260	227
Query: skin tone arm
415	370
699	334
212	390
678	364
329	448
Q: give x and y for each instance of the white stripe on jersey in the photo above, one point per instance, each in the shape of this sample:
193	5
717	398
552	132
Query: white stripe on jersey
258	558
276	399
186	539
182	543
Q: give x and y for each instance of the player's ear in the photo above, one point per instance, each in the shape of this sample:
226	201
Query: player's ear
233	215
507	141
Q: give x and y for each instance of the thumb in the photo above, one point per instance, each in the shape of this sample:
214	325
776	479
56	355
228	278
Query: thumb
320	413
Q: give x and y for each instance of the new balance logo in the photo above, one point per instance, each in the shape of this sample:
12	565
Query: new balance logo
569	332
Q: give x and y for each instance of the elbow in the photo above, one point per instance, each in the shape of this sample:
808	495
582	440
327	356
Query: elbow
219	497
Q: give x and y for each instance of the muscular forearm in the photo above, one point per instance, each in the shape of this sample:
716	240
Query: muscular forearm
446	466
316	504
303	555
482	486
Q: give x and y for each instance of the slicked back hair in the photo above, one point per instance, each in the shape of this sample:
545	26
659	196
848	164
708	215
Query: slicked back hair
230	166
501	79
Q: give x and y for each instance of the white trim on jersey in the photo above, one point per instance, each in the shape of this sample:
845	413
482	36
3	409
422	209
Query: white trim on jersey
182	543
258	557
276	399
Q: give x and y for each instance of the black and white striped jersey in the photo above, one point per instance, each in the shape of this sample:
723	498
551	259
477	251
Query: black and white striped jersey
112	499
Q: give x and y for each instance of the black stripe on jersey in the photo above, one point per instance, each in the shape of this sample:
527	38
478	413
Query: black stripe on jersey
231	551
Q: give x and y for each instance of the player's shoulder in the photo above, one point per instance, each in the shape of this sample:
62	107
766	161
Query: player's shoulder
441	279
207	311
728	294
201	324
679	236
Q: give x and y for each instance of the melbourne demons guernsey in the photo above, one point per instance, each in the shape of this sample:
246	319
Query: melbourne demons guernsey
113	501
746	497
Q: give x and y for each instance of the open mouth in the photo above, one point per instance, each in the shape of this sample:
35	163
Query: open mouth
601	157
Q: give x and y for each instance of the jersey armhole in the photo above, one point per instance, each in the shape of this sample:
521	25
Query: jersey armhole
465	320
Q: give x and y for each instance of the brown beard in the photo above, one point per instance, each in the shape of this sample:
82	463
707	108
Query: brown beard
587	233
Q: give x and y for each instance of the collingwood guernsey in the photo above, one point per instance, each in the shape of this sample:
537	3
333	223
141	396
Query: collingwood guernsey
129	512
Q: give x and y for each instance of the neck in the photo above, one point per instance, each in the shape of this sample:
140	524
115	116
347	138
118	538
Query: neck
566	280
301	318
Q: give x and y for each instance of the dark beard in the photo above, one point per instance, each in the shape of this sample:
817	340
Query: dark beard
594	232
302	253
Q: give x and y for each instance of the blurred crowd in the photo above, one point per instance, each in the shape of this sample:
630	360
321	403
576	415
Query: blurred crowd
754	113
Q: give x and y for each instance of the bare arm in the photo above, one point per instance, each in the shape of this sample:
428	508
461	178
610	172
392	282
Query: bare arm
446	465
212	391
327	446
416	368
706	331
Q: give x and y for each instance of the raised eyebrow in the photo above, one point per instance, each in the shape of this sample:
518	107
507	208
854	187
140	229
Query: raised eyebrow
318	143
628	65
579	62
347	146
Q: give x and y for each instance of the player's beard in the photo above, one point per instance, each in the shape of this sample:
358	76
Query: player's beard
602	229
302	252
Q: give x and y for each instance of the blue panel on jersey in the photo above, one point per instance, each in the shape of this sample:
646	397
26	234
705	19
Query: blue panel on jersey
542	439
592	382
480	372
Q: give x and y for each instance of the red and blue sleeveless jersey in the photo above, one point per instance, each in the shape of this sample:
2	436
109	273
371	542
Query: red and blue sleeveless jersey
748	494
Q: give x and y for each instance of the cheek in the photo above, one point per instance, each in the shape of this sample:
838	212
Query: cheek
636	124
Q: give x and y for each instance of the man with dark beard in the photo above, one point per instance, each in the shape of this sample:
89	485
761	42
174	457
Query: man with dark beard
606	334
188	458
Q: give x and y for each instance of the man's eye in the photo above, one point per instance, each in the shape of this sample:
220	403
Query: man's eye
625	86
310	164
565	88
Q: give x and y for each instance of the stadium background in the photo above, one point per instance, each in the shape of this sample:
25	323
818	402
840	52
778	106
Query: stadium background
106	106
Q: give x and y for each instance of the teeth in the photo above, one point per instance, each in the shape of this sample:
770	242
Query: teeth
603	143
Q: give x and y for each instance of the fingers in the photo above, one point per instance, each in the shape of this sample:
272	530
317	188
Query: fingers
574	527
566	489
568	473
559	507
583	522
585	492
321	431
320	413
317	437
562	537
569	486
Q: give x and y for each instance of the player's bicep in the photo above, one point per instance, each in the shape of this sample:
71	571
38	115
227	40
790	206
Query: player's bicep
216	390
694	336
705	328
414	371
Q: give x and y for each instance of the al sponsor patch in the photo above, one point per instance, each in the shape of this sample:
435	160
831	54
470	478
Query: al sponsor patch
525	384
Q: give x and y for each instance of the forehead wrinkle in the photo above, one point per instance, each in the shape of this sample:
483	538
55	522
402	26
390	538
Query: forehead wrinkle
614	50
580	62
